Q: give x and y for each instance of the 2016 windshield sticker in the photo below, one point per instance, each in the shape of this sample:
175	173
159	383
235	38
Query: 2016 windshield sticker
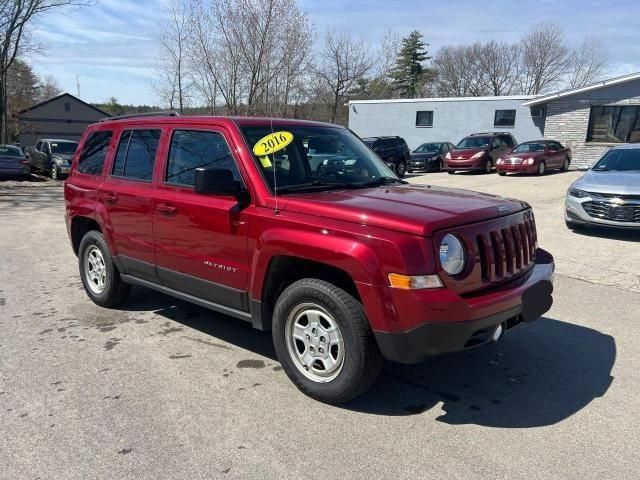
272	143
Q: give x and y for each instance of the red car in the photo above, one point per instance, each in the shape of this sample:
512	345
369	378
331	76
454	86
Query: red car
346	265
535	157
479	152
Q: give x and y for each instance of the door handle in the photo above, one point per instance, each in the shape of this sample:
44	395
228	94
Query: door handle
111	197
167	209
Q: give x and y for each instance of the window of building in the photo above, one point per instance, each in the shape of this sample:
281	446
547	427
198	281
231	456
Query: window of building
504	118
192	149
424	118
136	154
67	107
614	124
537	111
94	152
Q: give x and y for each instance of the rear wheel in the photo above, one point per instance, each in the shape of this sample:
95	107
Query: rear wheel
323	341
542	167
565	164
100	277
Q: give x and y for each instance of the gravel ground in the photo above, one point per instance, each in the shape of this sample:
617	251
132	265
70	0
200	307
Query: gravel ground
164	389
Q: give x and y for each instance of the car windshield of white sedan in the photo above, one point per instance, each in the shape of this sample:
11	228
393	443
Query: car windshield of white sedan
428	148
622	160
474	142
529	147
298	158
64	148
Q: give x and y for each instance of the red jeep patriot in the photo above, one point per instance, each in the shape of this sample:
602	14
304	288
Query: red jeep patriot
344	262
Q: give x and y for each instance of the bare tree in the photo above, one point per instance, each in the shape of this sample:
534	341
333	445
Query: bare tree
173	83
16	18
342	61
587	63
545	58
459	72
48	87
499	63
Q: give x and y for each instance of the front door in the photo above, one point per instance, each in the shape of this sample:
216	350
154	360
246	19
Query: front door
200	240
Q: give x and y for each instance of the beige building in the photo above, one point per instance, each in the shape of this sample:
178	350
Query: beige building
63	117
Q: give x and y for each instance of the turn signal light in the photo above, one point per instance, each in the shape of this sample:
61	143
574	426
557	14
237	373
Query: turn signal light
414	282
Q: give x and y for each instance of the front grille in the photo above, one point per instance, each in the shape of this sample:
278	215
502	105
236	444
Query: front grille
612	211
608	196
513	161
508	251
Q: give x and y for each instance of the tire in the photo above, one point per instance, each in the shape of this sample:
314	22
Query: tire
54	173
542	167
565	165
488	167
440	165
450	172
311	306
502	174
112	290
401	168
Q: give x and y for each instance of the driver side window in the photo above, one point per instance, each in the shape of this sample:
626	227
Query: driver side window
191	149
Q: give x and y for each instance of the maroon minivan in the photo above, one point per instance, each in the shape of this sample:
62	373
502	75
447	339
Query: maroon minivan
479	152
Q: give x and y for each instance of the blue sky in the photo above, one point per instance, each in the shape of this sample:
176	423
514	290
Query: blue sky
111	46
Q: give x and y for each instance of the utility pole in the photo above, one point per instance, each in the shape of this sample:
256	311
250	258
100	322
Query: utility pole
78	85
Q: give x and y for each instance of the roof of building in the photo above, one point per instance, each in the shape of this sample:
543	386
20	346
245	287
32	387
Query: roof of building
446	99
38	105
572	91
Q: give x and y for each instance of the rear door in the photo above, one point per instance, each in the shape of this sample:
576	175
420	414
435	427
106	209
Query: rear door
200	240
127	196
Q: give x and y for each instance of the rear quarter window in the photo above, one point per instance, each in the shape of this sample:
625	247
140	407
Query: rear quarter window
94	153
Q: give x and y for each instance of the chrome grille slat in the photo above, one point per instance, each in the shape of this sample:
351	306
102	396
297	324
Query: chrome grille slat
612	211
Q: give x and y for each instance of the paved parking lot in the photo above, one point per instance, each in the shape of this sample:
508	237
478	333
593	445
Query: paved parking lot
164	389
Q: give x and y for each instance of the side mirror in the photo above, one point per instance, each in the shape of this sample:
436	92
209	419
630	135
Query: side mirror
217	181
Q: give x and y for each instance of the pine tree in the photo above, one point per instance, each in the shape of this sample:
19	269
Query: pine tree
409	73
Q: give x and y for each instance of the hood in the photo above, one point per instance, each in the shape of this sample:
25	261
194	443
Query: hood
523	155
415	209
421	155
465	153
623	183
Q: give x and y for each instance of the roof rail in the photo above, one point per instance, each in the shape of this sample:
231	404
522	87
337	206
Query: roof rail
170	113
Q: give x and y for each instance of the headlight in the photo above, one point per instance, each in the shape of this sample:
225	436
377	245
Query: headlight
448	156
452	255
479	155
529	161
499	162
574	192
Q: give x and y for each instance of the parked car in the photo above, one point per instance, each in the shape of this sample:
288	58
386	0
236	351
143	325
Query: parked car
536	156
345	268
479	152
608	194
393	151
52	156
429	156
13	163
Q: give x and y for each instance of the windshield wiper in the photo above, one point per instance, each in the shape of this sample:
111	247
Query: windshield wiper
381	181
313	185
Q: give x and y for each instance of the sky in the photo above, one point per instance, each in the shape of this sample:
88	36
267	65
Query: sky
111	46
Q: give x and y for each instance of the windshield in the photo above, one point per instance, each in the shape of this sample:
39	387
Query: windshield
474	142
314	157
428	147
622	160
63	148
8	151
529	147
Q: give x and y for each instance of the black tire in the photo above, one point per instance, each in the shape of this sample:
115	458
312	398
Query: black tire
502	174
362	359
542	168
401	168
565	165
115	289
450	172
53	172
440	165
488	167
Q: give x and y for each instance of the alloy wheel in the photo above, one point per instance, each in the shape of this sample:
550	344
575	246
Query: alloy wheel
95	270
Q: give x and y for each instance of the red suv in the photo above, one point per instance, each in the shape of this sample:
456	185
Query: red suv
346	265
479	152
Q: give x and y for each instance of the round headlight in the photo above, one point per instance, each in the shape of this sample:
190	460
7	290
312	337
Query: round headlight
452	255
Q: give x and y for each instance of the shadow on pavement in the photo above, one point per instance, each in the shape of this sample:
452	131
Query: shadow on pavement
540	374
610	233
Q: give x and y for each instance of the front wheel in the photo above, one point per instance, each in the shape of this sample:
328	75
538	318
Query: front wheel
541	168
502	174
401	169
99	275
323	340
565	164
488	167
54	172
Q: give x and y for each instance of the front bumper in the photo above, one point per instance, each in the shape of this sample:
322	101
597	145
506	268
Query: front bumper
427	164
527	300
574	212
466	165
516	168
64	170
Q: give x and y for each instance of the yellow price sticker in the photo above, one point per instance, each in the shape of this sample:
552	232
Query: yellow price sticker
266	163
272	143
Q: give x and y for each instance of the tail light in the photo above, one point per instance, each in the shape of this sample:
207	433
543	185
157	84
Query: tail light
24	161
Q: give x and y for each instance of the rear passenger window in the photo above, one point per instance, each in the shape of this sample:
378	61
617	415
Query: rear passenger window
94	152
191	149
136	154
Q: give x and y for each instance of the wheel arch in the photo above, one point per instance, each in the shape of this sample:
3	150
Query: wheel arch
80	226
